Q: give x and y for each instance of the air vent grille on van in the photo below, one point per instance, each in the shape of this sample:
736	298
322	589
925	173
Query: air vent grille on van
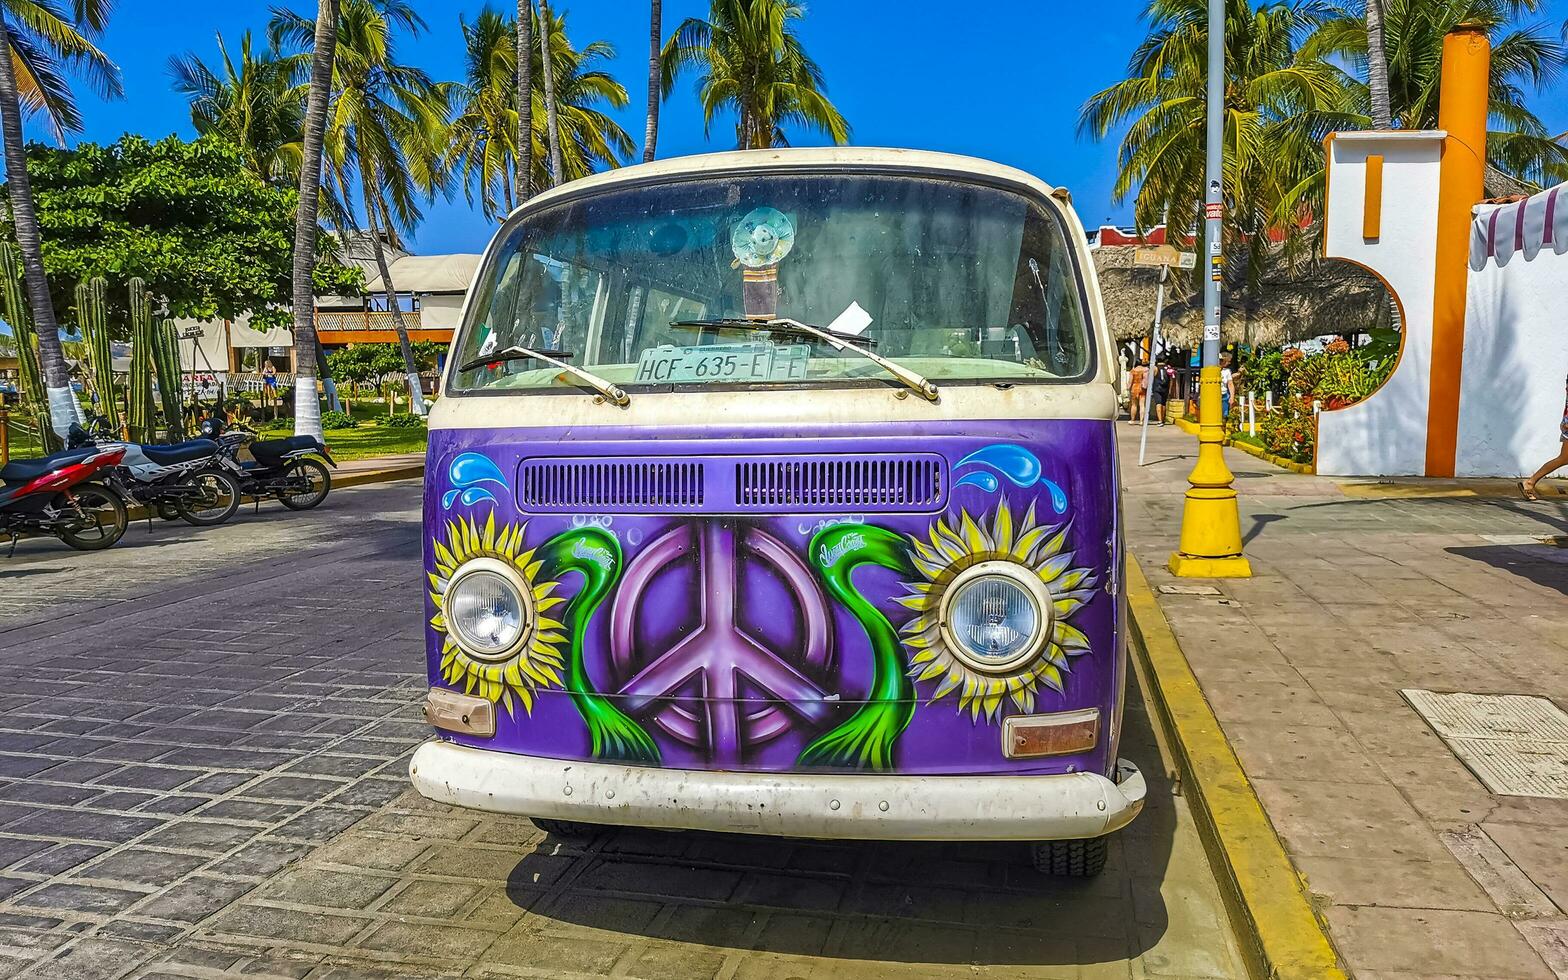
818	483
610	485
837	483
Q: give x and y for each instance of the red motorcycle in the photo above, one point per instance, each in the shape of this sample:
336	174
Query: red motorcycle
54	495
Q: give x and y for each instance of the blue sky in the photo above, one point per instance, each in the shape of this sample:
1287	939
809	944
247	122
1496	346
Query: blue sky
1008	89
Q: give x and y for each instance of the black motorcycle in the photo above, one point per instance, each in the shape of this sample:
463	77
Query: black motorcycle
290	469
175	482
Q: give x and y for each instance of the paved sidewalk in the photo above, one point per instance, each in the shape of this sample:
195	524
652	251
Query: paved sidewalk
1419	871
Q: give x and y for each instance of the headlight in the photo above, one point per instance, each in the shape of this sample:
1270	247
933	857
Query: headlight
997	616
487	609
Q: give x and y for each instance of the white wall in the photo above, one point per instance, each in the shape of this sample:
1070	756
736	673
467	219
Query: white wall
1516	337
1385	435
439	311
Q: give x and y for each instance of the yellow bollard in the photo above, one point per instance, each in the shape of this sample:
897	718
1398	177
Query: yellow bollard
1210	521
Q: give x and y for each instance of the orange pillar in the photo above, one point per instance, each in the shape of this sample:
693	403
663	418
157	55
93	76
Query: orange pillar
1467	61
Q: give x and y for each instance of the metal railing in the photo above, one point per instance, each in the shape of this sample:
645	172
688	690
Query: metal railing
328	321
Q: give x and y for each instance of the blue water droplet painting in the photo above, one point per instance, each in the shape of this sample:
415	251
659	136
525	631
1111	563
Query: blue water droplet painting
984	481
467	474
1020	466
1058	496
1016	463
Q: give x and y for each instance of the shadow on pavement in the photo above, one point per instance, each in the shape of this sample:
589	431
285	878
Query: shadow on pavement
942	903
1544	564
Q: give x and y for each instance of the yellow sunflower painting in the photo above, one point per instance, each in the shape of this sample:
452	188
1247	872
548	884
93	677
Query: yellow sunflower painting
528	661
992	611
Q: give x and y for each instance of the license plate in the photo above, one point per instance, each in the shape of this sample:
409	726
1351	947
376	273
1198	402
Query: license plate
723	362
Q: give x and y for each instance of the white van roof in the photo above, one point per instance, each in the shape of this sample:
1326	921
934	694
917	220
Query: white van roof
802	157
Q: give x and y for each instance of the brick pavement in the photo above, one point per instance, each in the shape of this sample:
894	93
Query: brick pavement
203	748
1419	871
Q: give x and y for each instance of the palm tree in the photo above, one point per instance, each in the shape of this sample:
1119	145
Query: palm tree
1283	95
307	349
523	97
1525	56
655	78
38	44
552	116
751	61
1377	67
484	152
387	124
253	104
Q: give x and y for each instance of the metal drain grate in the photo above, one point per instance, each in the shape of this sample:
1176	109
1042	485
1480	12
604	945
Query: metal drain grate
1516	745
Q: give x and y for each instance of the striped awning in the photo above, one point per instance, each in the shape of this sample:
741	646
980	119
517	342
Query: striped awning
1522	228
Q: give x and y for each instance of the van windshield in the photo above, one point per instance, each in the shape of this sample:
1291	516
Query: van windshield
961	282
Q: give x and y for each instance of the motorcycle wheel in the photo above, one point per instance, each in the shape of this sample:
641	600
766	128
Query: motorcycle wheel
107	512
315	473
220	498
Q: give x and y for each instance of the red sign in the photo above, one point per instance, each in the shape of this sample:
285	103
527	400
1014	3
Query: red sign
1215	211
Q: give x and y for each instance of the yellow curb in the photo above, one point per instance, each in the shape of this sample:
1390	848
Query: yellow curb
1305	469
1191	428
1280	934
408	471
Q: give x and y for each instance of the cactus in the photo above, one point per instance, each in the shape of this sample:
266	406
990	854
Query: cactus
13	306
92	315
167	357
138	392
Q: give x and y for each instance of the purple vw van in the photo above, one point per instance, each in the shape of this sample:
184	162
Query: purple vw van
775	492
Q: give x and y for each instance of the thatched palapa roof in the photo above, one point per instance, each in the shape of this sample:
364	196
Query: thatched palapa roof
1290	304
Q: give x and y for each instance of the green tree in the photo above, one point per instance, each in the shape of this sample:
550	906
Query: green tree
650	139
1526	57
1283	94
210	238
253	103
307	347
39	44
1377	67
484	149
353	365
750	60
386	124
522	97
551	115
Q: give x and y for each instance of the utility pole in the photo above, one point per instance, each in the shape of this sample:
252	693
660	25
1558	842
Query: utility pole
1211	522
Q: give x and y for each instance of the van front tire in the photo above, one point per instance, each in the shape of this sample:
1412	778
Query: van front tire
1070	858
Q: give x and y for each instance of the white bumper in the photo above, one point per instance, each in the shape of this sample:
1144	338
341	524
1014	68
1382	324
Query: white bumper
844	807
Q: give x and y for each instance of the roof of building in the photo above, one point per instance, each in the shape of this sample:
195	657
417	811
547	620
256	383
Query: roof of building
429	274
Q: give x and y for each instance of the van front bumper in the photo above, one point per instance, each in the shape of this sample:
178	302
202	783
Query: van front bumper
843	807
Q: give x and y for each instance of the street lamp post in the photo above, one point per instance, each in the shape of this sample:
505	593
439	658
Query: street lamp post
1211	522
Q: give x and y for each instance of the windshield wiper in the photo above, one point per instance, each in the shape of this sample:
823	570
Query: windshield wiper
611	391
838	341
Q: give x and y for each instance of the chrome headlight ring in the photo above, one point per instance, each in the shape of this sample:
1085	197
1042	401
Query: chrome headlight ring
1006	596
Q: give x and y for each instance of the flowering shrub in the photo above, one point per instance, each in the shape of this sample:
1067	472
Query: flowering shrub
1290	431
1337	346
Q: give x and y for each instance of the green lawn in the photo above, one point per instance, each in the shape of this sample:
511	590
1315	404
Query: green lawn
373	440
366	440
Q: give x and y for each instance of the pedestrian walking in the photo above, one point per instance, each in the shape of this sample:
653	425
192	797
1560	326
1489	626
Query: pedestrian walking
1137	389
1160	386
1527	485
1227	387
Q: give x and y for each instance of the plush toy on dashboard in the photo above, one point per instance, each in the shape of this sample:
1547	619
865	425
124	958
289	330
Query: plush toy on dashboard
760	241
